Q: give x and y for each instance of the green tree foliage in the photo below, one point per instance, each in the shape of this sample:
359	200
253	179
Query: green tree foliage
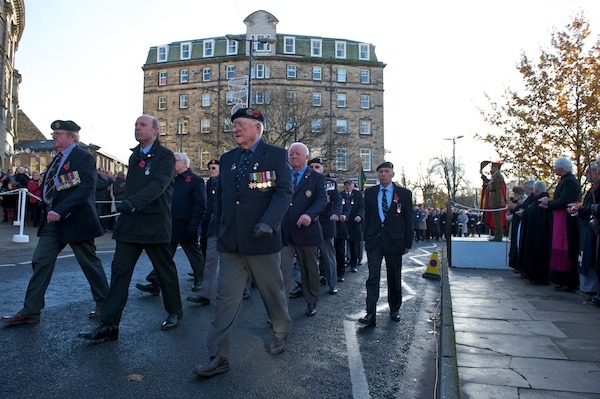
556	114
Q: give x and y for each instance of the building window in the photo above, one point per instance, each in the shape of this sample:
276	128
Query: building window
316	99
365	101
340	49
341	126
161	53
227	125
291	97
182	127
205	126
316	48
262	71
208	48
317	73
162	78
316	126
341	100
162	128
341	75
232	47
206	74
289	45
290	124
186	51
365	76
204	158
365	157
259	97
229	98
184	76
206	99
341	159
291	71
363	52
365	127
183	101
162	103
260	46
230	71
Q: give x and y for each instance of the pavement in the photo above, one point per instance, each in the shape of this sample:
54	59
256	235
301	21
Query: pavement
501	336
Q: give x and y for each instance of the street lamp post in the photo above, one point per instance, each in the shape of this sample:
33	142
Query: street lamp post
266	40
451	199
453	188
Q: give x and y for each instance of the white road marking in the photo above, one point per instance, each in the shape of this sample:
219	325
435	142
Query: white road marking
358	378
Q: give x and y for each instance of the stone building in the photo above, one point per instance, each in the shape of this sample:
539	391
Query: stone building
12	24
325	92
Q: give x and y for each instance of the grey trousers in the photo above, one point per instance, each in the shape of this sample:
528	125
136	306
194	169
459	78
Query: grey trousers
329	262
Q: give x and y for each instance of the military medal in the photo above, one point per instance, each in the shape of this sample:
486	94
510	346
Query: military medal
308	193
255	166
233	166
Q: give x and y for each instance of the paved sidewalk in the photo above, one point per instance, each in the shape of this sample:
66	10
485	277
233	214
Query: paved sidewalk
523	341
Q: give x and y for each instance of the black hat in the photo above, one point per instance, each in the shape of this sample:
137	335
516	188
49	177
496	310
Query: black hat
248	113
386	165
212	162
348	181
316	160
69	126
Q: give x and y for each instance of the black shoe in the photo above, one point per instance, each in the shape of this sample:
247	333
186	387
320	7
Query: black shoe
196	287
369	319
395	316
340	279
104	332
246	294
296	292
277	345
322	280
191	274
149	288
353	269
217	365
172	321
564	288
311	309
199	299
333	290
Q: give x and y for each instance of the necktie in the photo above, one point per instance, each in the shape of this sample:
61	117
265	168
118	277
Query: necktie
295	181
240	177
384	203
51	175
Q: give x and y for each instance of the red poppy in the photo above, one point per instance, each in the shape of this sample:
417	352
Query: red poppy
188	179
255	113
396	198
142	163
307	175
66	166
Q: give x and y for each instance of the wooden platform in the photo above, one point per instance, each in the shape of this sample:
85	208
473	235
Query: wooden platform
479	253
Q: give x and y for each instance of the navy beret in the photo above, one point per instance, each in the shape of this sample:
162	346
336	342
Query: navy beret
386	165
248	113
316	160
69	126
212	162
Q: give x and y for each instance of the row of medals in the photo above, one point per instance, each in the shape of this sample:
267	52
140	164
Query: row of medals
263	184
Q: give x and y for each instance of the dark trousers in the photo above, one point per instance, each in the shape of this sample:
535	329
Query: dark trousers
125	258
353	246
194	254
44	260
393	267
340	256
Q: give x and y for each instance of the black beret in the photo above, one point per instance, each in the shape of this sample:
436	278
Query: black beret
316	160
347	181
386	165
212	162
69	126
248	113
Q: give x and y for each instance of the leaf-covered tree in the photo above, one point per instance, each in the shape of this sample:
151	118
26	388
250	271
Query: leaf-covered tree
556	112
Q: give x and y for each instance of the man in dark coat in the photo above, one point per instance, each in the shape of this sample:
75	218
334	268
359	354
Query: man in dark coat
187	211
144	225
389	235
69	217
211	192
301	230
253	194
103	184
341	237
329	217
353	222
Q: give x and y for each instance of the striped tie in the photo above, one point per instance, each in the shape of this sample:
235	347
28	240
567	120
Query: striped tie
51	176
384	203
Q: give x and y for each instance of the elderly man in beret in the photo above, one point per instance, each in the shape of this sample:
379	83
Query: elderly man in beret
69	217
253	194
389	235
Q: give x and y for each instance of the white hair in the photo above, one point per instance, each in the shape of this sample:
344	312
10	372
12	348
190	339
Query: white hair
565	164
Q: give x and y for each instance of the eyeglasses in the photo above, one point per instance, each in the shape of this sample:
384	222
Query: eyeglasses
241	125
213	168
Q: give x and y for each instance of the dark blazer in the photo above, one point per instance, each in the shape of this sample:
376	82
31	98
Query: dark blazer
357	208
396	231
237	214
188	206
211	193
333	207
149	186
309	198
76	204
341	231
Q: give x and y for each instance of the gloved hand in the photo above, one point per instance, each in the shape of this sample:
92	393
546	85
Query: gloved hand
262	230
126	207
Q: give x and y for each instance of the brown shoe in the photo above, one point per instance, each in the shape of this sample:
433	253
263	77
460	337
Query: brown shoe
277	345
94	314
217	365
18	319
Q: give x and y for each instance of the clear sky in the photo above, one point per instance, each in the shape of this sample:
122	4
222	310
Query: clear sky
82	60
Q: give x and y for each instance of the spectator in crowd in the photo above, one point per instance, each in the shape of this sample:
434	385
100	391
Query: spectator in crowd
353	222
21	177
211	191
565	230
340	240
35	186
462	220
514	220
